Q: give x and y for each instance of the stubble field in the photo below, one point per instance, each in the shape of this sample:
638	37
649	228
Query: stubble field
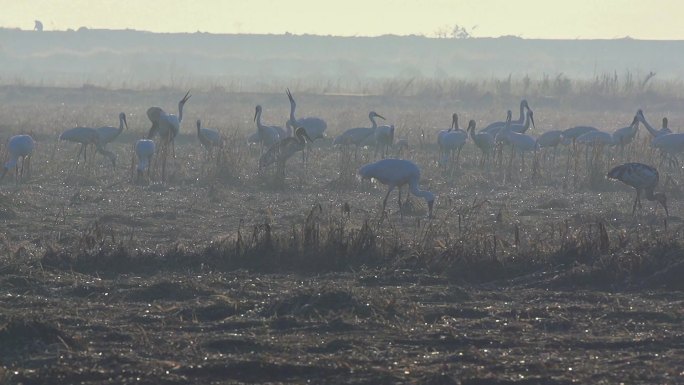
222	274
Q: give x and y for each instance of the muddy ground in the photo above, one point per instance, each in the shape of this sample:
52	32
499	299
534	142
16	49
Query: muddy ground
223	275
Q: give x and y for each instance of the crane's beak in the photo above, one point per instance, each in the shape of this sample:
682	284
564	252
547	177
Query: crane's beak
380	116
125	122
186	97
289	95
256	111
430	204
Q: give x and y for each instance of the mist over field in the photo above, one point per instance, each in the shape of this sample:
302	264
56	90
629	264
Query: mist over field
127	58
182	252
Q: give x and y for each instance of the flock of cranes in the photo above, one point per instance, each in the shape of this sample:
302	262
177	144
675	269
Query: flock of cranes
278	145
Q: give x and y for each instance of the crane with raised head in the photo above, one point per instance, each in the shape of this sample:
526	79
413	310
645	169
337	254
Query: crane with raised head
315	127
167	126
19	147
641	177
395	173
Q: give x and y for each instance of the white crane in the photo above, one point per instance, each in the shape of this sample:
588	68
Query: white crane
520	143
643	178
493	128
654	132
550	139
451	141
397	173
107	134
573	133
356	136
625	135
167	126
268	135
483	140
19	147
144	150
670	146
84	135
280	152
596	138
384	138
521	128
315	127
208	137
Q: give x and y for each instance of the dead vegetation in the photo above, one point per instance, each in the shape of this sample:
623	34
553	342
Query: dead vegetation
223	274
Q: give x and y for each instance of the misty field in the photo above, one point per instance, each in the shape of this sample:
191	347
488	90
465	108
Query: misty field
222	274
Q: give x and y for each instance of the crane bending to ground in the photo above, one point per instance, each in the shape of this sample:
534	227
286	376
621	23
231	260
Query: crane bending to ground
643	178
19	147
144	150
396	173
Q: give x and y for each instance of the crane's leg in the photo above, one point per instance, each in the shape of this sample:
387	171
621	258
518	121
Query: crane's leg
384	201
637	200
28	166
78	156
401	209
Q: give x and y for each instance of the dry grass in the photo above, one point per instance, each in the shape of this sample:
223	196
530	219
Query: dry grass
219	213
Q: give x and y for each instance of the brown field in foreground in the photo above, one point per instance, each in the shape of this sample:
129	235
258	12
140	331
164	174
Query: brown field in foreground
225	274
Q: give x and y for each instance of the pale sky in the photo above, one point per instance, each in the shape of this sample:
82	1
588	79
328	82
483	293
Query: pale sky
578	19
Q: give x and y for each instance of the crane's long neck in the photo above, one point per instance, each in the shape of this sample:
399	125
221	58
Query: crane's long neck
413	187
372	119
258	119
650	128
121	127
293	105
180	112
522	116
